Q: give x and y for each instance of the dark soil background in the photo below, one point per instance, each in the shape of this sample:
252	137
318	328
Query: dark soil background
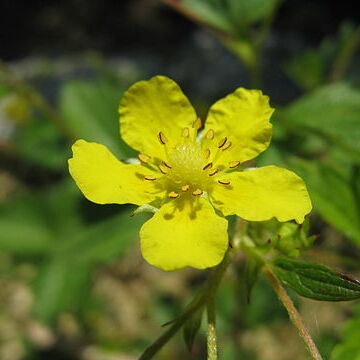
52	27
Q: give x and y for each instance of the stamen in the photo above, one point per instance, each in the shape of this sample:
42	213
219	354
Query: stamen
207	153
173	195
167	165
162	138
197	192
150	178
162	169
233	164
224	182
144	158
214	172
222	142
210	134
185	188
228	145
208	166
185	132
197	124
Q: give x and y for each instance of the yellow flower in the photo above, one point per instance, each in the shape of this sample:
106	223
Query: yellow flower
194	179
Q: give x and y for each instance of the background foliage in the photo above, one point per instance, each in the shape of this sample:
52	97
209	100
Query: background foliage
72	282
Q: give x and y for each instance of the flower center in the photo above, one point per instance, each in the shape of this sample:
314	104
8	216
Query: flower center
187	162
188	167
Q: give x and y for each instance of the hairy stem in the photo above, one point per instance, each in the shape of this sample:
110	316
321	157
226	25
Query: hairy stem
200	300
211	329
293	314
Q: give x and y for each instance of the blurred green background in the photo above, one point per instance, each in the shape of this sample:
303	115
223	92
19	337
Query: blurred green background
73	285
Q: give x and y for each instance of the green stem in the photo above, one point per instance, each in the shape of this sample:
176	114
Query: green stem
265	27
256	72
293	314
34	97
343	60
200	300
258	46
211	329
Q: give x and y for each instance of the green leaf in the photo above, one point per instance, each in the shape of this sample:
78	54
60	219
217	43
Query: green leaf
91	112
335	194
349	348
64	278
211	12
23	227
40	143
250	11
312	61
62	204
61	286
4	90
36	223
191	328
104	240
332	112
318	61
230	16
316	281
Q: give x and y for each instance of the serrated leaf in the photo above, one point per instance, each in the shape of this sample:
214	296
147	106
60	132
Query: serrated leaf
334	192
191	328
316	281
332	112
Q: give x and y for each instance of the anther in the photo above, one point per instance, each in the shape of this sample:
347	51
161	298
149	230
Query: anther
167	165
144	158
197	124
233	164
208	166
197	192
185	188
150	178
173	195
214	172
207	153
224	182
210	134
227	146
162	138
162	169
185	132
222	142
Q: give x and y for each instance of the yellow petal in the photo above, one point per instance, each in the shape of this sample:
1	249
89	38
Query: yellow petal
184	232
263	193
153	106
243	118
103	179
